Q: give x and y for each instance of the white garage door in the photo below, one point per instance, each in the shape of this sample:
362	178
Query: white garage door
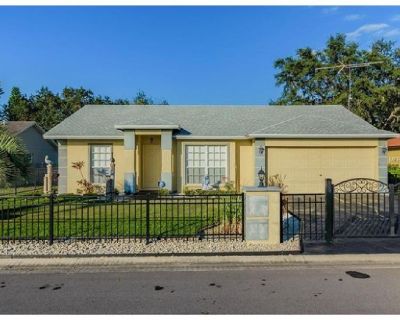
307	168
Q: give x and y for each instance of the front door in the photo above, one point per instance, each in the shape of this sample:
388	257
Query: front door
151	166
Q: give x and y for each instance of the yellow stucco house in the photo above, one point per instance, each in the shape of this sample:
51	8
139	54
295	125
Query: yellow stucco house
394	151
180	145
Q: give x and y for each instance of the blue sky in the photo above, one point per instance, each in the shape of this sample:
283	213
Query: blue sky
187	55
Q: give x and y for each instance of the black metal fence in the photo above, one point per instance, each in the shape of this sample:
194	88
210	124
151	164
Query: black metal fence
32	184
361	215
359	207
139	218
303	215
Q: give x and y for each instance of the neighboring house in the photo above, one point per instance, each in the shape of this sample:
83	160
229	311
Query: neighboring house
394	151
181	144
31	135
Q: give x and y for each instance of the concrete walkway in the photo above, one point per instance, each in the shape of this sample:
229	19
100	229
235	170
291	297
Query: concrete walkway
179	263
379	252
354	246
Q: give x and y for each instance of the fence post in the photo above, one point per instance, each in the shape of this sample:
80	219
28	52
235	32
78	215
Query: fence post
242	217
328	210
51	218
262	214
148	219
391	210
281	220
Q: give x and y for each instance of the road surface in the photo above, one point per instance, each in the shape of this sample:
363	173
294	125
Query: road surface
272	290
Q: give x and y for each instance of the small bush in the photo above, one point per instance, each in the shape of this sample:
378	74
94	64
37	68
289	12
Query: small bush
193	192
278	180
85	186
393	173
229	186
163	192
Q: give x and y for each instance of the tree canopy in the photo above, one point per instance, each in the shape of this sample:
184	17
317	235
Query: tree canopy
48	108
375	90
14	161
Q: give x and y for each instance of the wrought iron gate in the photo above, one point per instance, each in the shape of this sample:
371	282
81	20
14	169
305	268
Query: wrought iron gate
361	207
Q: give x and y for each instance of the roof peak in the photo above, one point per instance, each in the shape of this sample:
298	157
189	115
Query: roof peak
214	105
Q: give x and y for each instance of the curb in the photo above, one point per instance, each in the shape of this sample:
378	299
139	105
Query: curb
177	254
172	263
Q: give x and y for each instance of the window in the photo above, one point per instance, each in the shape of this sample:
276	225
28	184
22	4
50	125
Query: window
206	160
100	159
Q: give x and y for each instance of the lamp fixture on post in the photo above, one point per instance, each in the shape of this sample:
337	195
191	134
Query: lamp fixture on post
261	150
261	177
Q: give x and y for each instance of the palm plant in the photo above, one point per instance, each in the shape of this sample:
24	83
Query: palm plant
13	158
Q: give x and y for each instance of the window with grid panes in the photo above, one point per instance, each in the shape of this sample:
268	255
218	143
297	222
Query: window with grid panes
204	160
100	159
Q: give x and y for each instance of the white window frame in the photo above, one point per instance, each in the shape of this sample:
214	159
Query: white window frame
206	160
91	154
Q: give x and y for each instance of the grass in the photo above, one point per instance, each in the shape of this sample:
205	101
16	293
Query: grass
90	217
22	191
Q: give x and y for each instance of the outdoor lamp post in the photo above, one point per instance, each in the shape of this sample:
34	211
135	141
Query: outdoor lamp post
261	177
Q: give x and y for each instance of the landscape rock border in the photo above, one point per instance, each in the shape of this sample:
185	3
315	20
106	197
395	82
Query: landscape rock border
132	248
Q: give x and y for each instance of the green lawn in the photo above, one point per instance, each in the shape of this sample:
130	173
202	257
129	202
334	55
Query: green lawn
81	217
22	191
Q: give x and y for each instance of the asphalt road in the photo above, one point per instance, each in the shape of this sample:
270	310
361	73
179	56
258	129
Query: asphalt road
274	290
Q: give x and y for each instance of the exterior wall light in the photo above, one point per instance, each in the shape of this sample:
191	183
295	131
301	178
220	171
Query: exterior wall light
261	177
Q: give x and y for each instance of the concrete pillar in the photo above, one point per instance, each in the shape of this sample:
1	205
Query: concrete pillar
262	214
382	161
259	159
62	167
48	180
166	158
129	159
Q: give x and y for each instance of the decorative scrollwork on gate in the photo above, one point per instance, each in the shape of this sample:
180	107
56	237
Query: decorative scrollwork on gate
361	185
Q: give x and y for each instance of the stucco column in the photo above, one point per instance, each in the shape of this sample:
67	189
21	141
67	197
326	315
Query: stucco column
166	158
62	166
259	159
382	161
129	162
262	214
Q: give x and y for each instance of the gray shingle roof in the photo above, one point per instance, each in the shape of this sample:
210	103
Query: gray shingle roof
99	121
17	127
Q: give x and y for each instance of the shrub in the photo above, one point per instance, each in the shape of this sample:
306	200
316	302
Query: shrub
163	192
393	173
85	186
277	180
192	192
229	186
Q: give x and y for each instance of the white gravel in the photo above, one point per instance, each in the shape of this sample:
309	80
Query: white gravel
123	247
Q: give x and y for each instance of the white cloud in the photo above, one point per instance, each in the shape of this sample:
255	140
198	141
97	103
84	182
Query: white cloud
395	17
353	17
373	28
330	10
391	33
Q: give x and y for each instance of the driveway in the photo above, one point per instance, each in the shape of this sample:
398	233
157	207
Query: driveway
354	246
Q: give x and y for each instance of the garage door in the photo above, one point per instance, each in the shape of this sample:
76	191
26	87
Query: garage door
307	168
